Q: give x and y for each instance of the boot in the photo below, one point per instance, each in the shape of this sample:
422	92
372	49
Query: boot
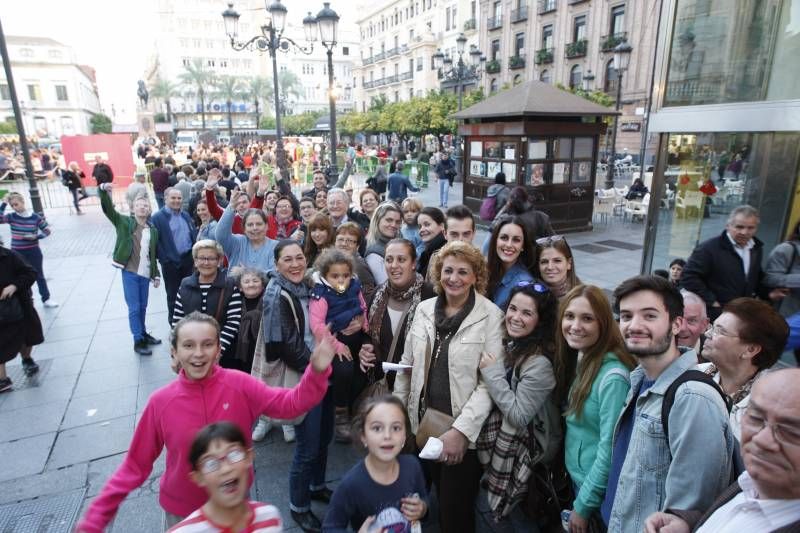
342	426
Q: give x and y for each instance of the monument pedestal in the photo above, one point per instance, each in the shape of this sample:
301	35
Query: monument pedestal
146	124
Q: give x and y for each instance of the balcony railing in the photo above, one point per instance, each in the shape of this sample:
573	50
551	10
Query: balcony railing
571	2
391	79
608	42
493	66
576	49
392	52
379	57
544	56
547	6
470	24
492	23
407	75
517	61
520	14
369	61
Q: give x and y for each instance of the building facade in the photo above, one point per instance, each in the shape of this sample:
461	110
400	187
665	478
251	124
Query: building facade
187	33
561	41
58	96
398	41
727	109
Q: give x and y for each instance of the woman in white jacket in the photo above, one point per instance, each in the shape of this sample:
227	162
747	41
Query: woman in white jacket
445	393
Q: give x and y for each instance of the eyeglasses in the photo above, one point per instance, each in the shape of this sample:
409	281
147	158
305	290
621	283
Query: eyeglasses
538	287
201	259
341	240
780	432
548	241
212	464
713	331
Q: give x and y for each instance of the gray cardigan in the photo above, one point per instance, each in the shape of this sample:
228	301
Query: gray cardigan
527	393
784	258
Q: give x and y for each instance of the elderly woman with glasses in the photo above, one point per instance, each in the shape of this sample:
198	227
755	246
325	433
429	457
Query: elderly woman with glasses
522	390
745	340
554	265
511	257
348	239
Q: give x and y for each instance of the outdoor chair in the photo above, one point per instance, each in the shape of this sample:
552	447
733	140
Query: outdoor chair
689	201
636	208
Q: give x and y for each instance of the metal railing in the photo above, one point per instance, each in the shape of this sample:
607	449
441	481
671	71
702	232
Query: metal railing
517	61
544	56
547	6
576	49
492	23
493	66
407	75
393	52
608	42
470	24
519	14
368	61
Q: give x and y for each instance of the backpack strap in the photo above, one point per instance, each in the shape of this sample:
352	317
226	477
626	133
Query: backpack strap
669	395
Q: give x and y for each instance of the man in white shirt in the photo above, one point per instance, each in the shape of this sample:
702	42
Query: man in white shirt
766	497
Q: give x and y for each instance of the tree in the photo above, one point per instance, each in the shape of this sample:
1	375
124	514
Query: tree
258	88
165	90
8	126
229	89
302	123
288	85
100	123
198	77
267	123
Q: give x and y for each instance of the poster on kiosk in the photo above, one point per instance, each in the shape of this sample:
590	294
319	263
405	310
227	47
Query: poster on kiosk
114	149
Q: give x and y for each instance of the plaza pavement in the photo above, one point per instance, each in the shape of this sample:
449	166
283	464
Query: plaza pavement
64	431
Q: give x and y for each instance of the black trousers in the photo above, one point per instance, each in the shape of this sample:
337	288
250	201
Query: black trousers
347	379
172	274
457	488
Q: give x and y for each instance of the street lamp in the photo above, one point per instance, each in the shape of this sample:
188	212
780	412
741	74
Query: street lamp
622	55
328	22
460	74
271	39
588	81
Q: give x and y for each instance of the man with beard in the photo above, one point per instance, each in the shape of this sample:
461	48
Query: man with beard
688	465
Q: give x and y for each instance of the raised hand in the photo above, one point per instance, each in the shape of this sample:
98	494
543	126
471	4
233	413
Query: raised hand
214	176
235	194
323	353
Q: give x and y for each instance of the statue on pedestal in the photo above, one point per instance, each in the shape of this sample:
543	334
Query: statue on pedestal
144	96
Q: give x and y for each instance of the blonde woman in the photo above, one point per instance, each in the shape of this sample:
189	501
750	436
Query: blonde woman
384	226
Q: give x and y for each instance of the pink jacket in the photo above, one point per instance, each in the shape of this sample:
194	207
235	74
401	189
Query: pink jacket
318	319
172	417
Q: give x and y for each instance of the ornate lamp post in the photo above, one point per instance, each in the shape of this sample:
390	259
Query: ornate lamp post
588	81
271	39
328	22
462	73
622	55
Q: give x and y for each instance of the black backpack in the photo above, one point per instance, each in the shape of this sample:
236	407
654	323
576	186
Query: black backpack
669	399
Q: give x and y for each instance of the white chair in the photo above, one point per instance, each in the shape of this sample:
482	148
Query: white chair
635	208
604	207
690	200
666	200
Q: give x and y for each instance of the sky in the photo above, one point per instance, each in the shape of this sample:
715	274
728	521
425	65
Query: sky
116	36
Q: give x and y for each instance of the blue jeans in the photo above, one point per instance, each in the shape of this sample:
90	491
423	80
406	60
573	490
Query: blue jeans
444	188
137	290
313	435
159	199
34	258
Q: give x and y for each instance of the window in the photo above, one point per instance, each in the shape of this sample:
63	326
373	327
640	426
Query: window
184	42
498	10
575	77
447	19
519	44
419	64
610	83
5	94
210	62
54	54
547	36
33	92
26	52
197	43
397	96
209	43
617	19
579	29
411	35
453	17
411	93
345	50
223	63
493	85
67	126
207	25
544	76
186	62
495	50
61	93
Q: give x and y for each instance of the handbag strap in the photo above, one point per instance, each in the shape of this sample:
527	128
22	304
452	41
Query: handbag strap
220	303
400	324
288	298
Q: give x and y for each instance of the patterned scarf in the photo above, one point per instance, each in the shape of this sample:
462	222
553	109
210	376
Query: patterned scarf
380	301
272	304
744	390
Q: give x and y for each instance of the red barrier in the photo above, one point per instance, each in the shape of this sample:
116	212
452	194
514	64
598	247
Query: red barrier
114	148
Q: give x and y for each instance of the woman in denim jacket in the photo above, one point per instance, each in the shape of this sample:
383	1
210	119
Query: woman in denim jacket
593	365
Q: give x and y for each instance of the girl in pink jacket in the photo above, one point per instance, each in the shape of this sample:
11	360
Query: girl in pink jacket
203	393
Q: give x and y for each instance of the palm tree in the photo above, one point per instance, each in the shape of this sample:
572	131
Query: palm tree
165	90
197	76
229	89
289	85
259	87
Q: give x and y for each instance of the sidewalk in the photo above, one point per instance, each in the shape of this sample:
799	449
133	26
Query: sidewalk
66	429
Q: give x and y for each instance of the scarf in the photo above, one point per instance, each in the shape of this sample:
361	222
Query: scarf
283	230
744	390
560	290
380	301
272	318
377	247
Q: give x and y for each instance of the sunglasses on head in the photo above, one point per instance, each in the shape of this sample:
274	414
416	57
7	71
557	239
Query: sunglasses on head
548	241
538	287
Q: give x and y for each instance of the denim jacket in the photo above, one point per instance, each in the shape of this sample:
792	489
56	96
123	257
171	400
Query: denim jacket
692	470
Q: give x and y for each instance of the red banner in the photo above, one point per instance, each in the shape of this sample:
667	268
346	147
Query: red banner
115	149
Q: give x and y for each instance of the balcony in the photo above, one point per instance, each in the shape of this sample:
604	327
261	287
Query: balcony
544	56
492	23
391	79
573	2
407	76
517	61
576	49
391	52
520	14
470	24
493	66
547	6
379	57
608	42
368	61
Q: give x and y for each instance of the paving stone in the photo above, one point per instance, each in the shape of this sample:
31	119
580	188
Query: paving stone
25	457
96	408
46	390
107	380
94	441
76	331
100	470
44	484
139	514
30	421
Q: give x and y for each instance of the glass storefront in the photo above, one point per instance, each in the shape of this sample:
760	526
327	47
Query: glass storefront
708	174
740	51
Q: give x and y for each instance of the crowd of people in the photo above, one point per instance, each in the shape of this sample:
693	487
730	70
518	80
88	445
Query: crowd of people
486	374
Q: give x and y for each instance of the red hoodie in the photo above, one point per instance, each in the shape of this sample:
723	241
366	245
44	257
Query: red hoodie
172	417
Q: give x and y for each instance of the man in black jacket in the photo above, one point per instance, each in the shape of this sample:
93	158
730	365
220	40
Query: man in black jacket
728	266
101	171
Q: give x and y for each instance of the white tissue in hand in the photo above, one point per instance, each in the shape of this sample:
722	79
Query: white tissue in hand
432	450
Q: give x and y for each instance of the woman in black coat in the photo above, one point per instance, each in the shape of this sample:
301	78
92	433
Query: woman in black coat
20	327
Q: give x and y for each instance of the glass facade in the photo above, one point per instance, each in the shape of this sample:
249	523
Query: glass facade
759	169
741	51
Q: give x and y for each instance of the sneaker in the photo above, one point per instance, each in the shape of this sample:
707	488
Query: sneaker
141	348
50	303
149	339
29	367
6	384
288	433
262	428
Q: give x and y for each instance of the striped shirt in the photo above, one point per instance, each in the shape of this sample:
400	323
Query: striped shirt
266	519
233	314
747	512
23	226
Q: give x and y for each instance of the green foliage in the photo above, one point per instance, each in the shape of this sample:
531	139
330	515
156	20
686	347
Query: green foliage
165	90
198	78
100	123
9	126
258	89
302	123
160	117
267	123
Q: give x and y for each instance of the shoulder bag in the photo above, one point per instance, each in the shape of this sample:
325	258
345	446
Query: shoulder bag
432	423
10	310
